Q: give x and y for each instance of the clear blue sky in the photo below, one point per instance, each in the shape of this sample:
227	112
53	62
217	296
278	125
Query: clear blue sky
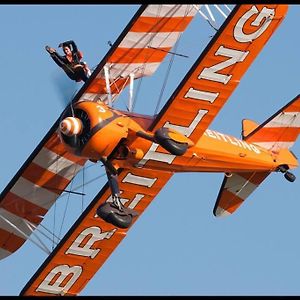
177	247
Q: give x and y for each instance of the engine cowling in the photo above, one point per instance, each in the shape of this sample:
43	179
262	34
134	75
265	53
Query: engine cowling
92	130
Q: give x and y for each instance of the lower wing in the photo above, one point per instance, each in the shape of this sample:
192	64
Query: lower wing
90	241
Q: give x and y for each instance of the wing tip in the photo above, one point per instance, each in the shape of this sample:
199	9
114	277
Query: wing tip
220	212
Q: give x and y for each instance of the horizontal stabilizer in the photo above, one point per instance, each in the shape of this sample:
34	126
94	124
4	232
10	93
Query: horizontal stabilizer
235	189
280	131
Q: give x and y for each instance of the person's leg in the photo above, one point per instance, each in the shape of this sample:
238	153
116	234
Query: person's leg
80	73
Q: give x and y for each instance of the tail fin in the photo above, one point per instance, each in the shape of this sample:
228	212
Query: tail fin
235	189
278	132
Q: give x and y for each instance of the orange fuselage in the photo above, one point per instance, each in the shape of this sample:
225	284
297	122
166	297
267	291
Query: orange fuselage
214	151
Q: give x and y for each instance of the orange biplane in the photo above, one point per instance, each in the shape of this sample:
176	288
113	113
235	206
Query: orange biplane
141	152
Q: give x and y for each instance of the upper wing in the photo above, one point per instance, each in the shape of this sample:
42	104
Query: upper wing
140	49
91	240
218	70
33	190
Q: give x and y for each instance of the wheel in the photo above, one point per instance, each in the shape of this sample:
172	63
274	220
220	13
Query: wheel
163	139
111	214
121	221
289	176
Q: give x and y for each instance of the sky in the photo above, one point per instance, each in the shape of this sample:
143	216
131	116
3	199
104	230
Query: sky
177	247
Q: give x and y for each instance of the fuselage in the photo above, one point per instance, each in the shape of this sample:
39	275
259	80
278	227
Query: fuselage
214	152
112	134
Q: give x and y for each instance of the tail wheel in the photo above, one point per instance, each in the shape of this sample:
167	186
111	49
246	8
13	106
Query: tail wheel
162	138
289	176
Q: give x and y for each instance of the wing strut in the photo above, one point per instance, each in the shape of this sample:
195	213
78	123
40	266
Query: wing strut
130	100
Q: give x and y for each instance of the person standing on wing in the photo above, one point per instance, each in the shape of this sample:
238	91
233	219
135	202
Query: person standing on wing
71	61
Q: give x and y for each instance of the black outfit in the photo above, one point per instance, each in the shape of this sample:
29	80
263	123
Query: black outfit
74	72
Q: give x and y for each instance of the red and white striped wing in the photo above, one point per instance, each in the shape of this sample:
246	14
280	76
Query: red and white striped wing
33	190
281	130
141	48
235	190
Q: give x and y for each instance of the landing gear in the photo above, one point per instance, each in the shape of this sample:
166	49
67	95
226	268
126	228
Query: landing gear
162	136
174	142
287	175
115	212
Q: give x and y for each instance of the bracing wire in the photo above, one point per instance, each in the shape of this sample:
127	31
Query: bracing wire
83	184
166	79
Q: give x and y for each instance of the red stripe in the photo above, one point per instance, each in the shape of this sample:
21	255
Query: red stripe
275	134
229	201
254	178
45	178
23	208
98	86
54	144
10	241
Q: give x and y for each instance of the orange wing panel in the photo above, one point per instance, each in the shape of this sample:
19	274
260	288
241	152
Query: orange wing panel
219	69
91	240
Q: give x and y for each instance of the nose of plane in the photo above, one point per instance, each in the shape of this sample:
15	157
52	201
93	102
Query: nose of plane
71	126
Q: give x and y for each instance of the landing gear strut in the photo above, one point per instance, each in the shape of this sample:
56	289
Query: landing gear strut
287	175
115	212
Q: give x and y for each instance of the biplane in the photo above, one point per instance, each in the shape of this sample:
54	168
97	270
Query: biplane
141	153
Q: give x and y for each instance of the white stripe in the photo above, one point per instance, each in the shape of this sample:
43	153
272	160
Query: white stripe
57	164
292	119
139	180
4	253
274	145
34	193
76	126
68	126
100	97
169	10
138	69
220	212
156	40
236	185
16	220
89	97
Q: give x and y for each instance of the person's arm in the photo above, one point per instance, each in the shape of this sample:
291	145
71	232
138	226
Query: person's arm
70	43
59	60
